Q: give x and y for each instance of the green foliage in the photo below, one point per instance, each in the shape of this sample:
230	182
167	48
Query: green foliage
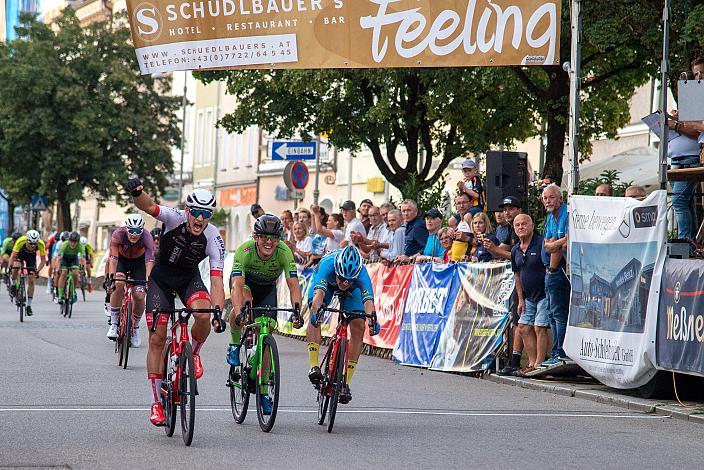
220	217
425	199
76	115
414	121
610	177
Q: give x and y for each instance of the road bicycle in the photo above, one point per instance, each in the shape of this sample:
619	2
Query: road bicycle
125	326
334	364
21	291
82	281
259	371
69	294
179	386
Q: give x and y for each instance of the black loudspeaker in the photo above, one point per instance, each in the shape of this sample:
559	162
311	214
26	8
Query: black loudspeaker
506	175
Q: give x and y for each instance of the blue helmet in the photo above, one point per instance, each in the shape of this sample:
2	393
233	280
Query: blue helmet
348	263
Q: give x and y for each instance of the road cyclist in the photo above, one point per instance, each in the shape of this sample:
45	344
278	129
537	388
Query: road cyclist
340	271
258	263
24	253
186	240
7	244
90	258
55	266
131	256
72	255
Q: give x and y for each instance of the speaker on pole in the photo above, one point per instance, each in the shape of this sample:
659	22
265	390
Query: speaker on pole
506	175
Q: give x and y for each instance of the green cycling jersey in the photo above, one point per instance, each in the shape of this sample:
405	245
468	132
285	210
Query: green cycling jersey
7	245
248	264
66	250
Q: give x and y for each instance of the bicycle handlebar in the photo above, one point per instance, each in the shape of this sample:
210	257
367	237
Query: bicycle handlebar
217	321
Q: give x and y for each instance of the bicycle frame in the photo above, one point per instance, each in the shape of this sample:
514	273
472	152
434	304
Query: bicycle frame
266	325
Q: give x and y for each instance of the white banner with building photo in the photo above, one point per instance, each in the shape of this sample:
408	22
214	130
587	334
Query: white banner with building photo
617	250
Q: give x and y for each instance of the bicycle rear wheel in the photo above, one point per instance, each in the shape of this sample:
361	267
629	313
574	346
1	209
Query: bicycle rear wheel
239	387
127	337
266	422
323	388
187	392
167	392
337	383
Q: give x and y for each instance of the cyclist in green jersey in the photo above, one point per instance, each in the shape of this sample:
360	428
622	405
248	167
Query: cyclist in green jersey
258	264
7	246
72	254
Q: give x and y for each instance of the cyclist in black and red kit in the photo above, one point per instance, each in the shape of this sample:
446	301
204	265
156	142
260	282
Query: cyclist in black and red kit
186	240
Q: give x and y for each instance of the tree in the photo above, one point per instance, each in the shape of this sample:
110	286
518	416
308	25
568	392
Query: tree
436	115
76	115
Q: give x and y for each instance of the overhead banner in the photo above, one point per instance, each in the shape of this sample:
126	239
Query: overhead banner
424	313
616	251
390	290
218	34
680	343
478	316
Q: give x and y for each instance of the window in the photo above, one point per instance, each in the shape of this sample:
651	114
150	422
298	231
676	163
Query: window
208	141
224	154
198	150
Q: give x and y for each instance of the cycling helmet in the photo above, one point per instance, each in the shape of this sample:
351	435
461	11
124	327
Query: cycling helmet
268	224
64	236
16	235
156	232
134	221
84	241
201	199
32	236
74	237
348	263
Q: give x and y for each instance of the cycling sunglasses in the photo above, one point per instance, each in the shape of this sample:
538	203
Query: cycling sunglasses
135	231
341	279
271	238
205	213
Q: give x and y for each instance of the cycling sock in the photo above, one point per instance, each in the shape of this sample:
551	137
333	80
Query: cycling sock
29	301
516	359
114	312
154	381
61	292
351	367
313	350
196	345
235	336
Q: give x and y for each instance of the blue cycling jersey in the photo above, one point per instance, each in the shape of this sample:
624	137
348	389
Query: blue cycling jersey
326	280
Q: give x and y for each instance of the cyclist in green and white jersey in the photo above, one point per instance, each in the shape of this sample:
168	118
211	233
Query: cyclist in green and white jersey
72	254
7	245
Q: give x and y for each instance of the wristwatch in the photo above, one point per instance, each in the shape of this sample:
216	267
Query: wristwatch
550	269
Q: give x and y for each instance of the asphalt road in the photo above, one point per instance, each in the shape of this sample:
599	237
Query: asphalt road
65	403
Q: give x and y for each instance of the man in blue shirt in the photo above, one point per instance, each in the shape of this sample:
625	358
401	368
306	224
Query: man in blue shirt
529	274
416	233
340	271
557	286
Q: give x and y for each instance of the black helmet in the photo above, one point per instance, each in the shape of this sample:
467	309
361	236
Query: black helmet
16	235
268	224
156	232
74	237
64	236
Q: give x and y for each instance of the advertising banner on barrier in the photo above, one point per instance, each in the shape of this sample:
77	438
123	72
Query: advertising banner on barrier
390	290
477	319
616	252
424	313
312	34
283	299
680	340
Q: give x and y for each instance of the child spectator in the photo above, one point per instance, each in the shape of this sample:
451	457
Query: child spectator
472	186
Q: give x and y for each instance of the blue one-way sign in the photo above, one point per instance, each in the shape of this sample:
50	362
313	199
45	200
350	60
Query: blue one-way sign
282	150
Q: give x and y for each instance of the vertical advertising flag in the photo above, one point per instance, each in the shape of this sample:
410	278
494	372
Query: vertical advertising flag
424	313
477	318
616	252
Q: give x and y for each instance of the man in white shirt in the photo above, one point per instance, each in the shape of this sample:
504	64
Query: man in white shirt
352	223
369	246
395	237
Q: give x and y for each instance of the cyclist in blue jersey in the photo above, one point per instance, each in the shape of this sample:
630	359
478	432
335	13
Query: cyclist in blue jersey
341	271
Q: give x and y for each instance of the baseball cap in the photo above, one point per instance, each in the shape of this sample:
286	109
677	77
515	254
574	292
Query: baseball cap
348	206
368	201
510	201
254	209
469	164
434	213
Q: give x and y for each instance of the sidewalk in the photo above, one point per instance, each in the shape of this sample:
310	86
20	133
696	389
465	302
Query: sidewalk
597	392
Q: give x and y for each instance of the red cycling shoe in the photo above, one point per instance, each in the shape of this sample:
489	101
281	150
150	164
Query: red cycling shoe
197	366
157	415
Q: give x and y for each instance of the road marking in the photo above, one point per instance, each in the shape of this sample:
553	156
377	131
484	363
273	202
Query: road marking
390	412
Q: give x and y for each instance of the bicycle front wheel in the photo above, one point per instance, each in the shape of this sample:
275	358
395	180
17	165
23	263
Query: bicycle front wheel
268	389
127	337
21	300
337	382
187	392
167	392
323	388
239	387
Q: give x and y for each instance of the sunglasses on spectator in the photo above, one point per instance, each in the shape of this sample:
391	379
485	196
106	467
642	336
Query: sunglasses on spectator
135	231
205	213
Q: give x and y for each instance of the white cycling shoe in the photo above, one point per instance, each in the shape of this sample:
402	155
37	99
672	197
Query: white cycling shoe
136	340
112	332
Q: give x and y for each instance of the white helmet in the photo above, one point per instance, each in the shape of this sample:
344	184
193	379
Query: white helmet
134	221
201	199
32	236
84	241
